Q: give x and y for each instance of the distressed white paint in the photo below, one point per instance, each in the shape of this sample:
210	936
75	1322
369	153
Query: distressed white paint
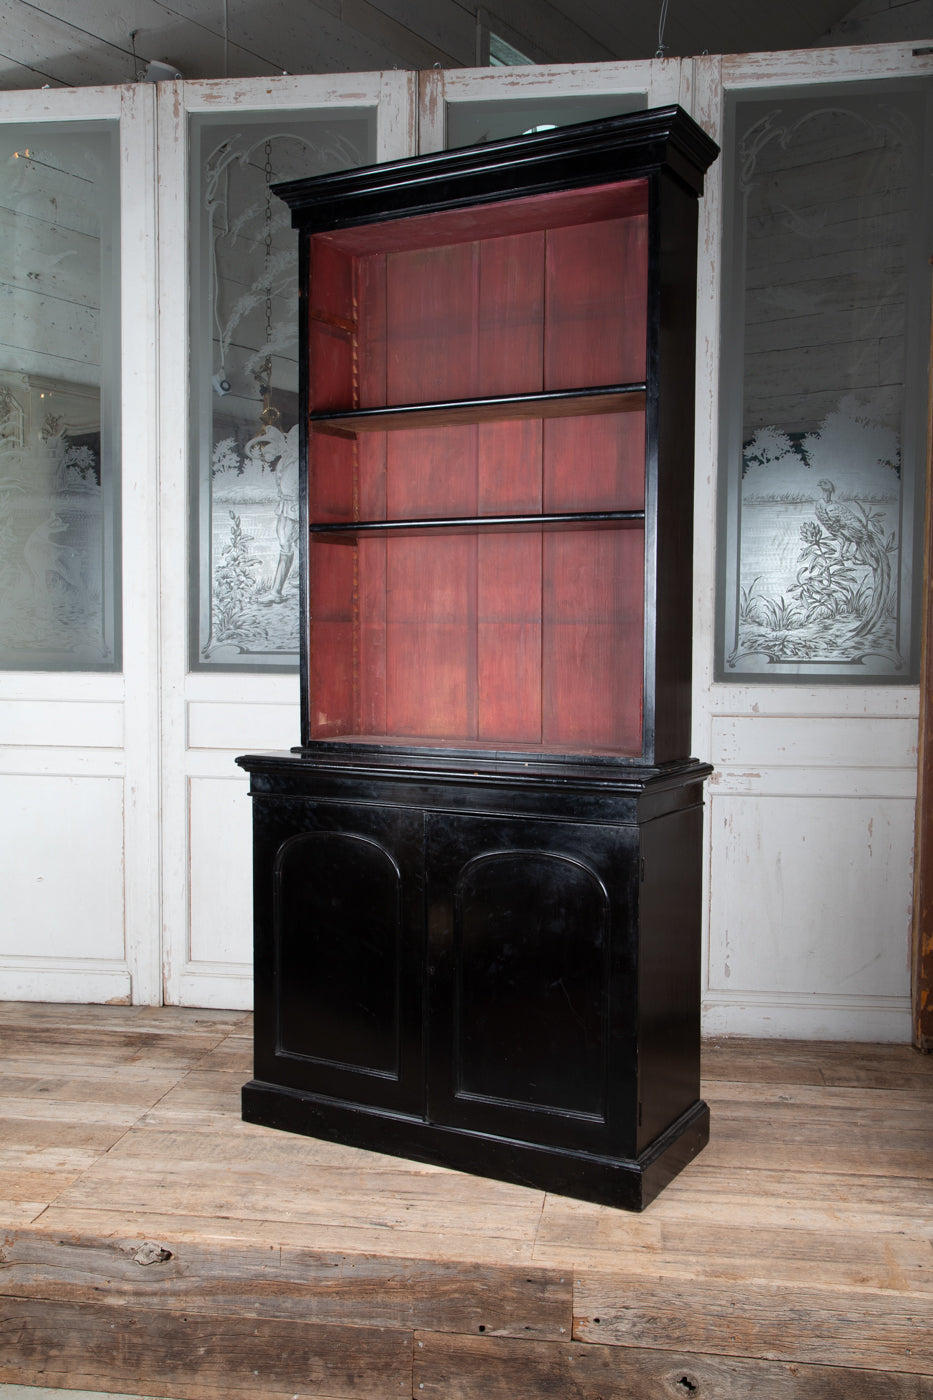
810	830
786	919
656	83
221	872
207	719
61	868
831	741
231	725
79	753
810	808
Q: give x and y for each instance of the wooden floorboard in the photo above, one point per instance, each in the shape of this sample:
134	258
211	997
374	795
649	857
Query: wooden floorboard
152	1243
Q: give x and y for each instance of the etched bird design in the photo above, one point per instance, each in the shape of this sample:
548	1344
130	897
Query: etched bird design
859	542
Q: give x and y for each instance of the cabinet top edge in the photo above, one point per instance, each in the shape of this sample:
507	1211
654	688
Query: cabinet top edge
570	157
605	774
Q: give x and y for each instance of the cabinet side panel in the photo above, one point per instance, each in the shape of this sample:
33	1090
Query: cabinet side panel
677	218
669	970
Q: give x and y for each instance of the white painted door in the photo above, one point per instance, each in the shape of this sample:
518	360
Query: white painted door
224	691
79	752
811	808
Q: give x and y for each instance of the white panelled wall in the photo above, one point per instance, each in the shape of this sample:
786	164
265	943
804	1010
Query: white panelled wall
810	810
126	845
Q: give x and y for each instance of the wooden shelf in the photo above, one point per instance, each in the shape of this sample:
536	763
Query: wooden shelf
564	403
347	531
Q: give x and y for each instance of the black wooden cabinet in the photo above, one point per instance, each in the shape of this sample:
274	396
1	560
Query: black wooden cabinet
477	880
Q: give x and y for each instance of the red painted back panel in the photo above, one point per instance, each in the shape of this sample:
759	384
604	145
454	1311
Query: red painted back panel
503	638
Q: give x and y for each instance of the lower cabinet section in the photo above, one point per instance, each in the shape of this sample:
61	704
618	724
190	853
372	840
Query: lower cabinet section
500	976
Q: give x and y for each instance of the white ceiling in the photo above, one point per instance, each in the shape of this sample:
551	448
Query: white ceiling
75	43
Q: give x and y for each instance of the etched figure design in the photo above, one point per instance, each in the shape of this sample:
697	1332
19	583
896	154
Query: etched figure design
280	451
821	589
254	509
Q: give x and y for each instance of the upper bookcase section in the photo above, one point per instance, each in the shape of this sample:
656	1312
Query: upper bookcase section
581	157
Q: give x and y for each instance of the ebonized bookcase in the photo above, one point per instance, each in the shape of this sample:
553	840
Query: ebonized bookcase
477	880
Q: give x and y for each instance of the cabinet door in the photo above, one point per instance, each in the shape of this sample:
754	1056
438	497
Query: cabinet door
532	971
339	940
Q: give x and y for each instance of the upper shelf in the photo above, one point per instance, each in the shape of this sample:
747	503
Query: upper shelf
565	403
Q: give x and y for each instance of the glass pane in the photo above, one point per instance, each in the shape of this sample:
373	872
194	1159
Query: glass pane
469	123
244	318
824	366
59	401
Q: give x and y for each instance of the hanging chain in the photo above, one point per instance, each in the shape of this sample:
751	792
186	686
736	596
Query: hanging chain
270	415
268	242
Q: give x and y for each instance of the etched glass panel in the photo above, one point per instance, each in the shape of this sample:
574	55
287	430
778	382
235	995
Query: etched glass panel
59	405
244	406
825	344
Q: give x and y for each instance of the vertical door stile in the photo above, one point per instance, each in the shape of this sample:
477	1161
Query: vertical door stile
706	92
173	356
399	116
140	540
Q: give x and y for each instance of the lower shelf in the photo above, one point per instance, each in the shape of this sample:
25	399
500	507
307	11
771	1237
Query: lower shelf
624	1183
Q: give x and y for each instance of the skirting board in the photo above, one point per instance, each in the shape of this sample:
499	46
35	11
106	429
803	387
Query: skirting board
27	979
215	987
796	1016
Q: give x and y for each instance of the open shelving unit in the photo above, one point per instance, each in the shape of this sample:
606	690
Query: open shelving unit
477	401
477	877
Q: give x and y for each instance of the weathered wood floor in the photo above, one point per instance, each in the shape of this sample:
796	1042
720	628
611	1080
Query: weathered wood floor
794	1258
